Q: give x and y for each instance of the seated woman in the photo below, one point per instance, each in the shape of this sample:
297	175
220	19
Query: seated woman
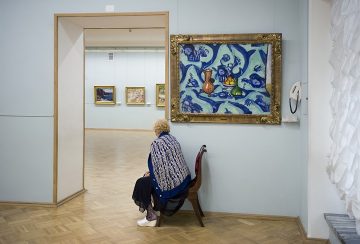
168	177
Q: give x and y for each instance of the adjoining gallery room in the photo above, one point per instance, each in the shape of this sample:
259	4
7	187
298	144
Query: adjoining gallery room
180	122
124	96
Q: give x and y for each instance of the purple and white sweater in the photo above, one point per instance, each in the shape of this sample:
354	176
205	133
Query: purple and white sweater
168	170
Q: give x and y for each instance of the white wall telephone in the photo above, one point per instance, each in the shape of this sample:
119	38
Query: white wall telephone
295	94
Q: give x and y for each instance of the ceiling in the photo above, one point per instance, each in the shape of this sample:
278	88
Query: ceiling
125	37
125	30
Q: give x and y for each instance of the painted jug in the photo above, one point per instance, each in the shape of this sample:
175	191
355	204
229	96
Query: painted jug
208	86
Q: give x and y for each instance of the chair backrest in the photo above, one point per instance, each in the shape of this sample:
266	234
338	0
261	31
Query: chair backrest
196	182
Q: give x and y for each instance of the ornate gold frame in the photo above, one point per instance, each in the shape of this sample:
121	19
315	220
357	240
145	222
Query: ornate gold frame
158	86
268	38
112	102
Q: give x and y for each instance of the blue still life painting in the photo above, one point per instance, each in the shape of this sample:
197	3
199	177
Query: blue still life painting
224	79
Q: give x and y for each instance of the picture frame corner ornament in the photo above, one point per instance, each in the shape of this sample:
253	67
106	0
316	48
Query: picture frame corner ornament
175	40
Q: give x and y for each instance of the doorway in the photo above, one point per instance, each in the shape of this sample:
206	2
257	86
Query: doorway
124	67
69	92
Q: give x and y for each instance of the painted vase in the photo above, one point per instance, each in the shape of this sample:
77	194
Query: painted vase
236	91
208	86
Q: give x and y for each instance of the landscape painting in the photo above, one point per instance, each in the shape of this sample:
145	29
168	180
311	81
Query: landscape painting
104	95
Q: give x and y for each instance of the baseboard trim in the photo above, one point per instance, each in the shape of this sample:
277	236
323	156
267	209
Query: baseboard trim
29	204
247	216
69	198
113	129
304	234
40	204
265	217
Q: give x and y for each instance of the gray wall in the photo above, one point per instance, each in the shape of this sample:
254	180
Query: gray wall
26	101
249	168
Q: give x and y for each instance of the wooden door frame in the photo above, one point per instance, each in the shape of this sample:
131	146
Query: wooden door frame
56	67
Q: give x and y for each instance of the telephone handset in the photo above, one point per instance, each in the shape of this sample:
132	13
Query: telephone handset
295	93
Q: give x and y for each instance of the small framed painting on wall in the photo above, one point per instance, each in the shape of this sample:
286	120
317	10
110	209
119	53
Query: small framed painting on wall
135	95
160	95
104	95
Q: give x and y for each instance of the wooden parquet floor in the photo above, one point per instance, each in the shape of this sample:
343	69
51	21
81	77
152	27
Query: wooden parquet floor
107	214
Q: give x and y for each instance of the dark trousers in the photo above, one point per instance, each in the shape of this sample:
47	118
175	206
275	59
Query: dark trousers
142	194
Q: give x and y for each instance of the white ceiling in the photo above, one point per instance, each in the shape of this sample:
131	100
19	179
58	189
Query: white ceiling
112	30
119	21
128	37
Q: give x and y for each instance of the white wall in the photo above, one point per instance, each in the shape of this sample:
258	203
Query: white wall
303	114
131	68
322	195
70	109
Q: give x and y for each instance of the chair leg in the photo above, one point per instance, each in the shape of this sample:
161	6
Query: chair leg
158	220
201	212
194	203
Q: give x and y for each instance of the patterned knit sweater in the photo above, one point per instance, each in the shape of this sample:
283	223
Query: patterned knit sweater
169	173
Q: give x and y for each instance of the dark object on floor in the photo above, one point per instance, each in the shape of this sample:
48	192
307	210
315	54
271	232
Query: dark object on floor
343	227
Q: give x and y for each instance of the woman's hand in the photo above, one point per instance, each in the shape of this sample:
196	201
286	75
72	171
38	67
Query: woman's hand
147	174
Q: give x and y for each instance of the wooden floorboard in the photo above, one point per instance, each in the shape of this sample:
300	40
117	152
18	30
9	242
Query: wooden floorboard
105	213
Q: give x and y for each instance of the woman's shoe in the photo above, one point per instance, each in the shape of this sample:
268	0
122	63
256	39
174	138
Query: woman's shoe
147	223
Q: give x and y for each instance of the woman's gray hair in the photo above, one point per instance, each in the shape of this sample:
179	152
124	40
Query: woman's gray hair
161	125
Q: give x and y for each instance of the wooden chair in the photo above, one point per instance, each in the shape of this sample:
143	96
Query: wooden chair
195	185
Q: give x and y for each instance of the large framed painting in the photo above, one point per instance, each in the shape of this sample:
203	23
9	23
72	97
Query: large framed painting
233	78
135	95
104	95
160	95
